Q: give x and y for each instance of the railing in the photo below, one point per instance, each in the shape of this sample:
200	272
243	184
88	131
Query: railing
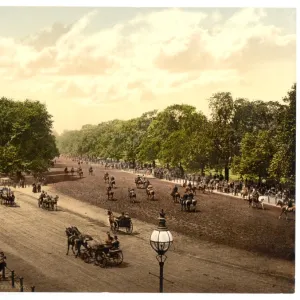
16	281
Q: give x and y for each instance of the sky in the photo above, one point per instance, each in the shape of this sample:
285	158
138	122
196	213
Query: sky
94	64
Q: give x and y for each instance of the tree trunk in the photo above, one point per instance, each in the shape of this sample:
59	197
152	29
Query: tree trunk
153	164
226	173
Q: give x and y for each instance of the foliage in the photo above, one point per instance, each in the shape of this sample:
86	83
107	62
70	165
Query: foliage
26	140
254	138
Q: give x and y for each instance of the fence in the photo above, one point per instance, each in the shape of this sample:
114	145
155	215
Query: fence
16	282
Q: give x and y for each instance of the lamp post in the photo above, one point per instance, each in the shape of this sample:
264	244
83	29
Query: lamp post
161	240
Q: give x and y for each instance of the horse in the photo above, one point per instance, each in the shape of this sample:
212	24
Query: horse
244	192
188	203
201	187
80	172
257	201
66	171
132	195
106	178
175	196
112	182
150	192
109	193
91	171
72	234
286	209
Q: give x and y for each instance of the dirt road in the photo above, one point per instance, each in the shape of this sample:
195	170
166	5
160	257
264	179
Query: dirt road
35	244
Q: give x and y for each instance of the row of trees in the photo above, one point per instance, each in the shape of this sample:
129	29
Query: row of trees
26	140
254	138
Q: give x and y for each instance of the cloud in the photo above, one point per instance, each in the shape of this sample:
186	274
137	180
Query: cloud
151	55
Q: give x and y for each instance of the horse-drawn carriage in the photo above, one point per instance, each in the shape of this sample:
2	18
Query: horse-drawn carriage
100	254
7	197
124	221
141	183
48	202
188	202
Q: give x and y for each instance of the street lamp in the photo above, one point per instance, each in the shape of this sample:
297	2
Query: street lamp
161	240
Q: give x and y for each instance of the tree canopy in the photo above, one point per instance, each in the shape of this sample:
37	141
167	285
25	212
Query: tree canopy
253	138
26	139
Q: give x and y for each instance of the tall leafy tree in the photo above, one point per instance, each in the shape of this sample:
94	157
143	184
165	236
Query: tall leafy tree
222	134
283	164
26	139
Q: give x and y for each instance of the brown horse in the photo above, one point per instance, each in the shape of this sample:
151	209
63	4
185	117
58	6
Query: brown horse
150	192
176	197
109	193
286	209
132	195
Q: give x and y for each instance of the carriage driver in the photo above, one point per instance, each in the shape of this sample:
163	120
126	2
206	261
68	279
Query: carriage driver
108	243
115	243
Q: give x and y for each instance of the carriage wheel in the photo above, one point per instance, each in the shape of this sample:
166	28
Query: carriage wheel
101	259
118	258
85	257
130	228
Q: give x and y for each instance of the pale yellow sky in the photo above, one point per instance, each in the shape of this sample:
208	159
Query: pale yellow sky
89	66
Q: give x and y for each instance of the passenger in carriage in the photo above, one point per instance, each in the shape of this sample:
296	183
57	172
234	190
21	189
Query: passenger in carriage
122	217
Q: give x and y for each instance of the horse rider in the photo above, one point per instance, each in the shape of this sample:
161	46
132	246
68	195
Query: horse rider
255	194
91	169
175	190
66	170
290	203
72	170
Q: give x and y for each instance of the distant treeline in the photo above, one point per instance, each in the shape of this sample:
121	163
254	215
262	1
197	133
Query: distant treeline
256	139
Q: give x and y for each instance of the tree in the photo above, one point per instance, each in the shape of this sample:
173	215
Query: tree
283	164
256	154
26	139
221	105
